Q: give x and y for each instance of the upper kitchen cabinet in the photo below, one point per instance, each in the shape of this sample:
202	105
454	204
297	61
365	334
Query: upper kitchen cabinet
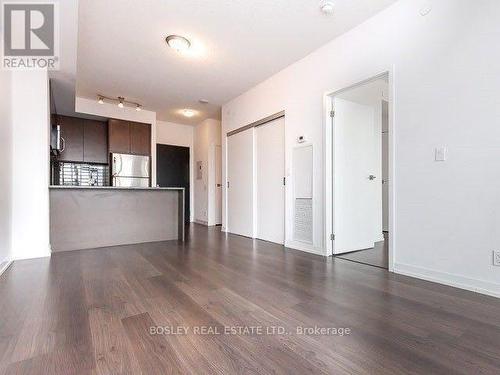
140	139
119	136
72	138
83	140
129	137
95	142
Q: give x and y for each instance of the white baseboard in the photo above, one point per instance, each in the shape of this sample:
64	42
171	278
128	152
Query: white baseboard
4	266
457	281
305	248
38	256
201	222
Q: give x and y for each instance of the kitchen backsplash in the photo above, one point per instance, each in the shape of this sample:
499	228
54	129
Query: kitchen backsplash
79	174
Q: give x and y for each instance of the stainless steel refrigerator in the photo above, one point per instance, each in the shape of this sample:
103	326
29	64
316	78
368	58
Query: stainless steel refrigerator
129	170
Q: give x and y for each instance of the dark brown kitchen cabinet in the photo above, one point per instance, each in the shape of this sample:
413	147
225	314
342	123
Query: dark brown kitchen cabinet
95	142
119	136
83	140
72	138
140	139
129	137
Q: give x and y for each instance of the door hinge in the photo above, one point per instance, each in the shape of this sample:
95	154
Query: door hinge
228	184
332	237
284	181
332	114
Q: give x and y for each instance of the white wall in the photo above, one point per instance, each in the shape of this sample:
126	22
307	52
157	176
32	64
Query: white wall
5	167
207	135
169	133
445	93
30	167
92	107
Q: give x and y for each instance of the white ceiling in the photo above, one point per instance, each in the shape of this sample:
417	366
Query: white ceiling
121	48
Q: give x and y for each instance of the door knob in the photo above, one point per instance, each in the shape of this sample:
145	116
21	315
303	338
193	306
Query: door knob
371	177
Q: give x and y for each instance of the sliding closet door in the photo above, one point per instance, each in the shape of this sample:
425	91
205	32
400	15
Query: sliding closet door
240	183
270	150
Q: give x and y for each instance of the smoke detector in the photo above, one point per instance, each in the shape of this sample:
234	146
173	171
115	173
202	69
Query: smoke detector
327	7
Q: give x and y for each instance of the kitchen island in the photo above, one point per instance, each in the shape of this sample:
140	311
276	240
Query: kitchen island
92	217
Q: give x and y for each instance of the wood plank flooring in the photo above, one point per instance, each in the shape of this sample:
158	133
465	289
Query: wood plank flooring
91	312
378	256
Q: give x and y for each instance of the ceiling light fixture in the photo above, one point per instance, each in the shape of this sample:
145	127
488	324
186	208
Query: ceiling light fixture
203	101
177	42
188	113
120	101
327	7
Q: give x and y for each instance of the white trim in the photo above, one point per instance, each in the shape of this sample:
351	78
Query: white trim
328	162
294	245
201	222
457	281
6	265
33	257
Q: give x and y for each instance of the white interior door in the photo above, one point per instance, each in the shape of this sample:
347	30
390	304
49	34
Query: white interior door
218	185
270	147
240	183
354	191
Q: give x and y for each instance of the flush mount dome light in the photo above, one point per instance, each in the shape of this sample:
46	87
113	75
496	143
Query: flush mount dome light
188	112
327	6
177	42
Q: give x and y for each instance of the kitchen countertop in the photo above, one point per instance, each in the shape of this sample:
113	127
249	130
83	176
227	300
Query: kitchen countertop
65	187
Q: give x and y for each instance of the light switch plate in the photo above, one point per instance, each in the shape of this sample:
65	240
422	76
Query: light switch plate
496	258
441	153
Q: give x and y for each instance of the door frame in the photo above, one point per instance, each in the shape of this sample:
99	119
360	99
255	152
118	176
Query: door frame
330	163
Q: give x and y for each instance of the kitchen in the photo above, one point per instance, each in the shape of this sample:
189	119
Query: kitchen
101	190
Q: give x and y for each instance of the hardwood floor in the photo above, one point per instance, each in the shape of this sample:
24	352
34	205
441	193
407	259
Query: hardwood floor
378	256
91	312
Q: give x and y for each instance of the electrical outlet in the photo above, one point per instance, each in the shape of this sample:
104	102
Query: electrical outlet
496	258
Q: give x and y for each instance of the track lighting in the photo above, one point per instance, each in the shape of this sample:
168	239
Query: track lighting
120	102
